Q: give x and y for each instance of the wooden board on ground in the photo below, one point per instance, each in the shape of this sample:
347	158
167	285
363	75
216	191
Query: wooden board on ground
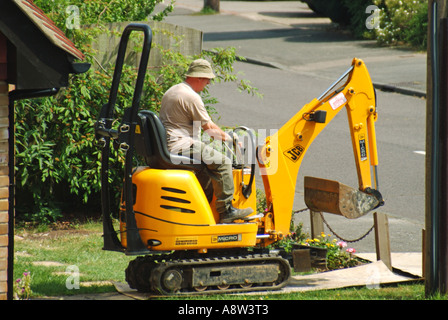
371	275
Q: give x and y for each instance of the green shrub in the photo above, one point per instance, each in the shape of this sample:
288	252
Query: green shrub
57	158
401	22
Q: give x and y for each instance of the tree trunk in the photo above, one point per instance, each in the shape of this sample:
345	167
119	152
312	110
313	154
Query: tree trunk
212	4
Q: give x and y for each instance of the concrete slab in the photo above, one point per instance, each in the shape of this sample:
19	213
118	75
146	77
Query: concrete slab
406	262
371	275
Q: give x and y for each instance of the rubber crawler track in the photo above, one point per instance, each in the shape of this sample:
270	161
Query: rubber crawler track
147	274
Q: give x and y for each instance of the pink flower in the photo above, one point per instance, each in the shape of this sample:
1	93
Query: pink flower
351	250
341	244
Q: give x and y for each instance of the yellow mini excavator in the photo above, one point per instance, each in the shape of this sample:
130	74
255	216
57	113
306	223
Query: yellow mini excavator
166	219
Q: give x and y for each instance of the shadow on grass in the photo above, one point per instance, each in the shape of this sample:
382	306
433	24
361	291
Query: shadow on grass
58	288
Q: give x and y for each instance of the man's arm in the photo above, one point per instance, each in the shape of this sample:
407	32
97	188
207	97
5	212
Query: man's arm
215	132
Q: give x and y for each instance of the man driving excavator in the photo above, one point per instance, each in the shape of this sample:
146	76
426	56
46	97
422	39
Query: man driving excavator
164	209
183	114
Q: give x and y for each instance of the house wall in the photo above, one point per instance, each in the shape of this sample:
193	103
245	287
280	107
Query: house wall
4	170
4	190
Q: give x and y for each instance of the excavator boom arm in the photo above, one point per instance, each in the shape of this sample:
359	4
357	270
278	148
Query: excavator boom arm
281	156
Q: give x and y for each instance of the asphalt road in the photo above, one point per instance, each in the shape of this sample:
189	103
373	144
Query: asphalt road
306	54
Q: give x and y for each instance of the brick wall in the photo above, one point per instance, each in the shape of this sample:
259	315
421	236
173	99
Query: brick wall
4	191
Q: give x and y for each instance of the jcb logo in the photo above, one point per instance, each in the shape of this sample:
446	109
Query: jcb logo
294	153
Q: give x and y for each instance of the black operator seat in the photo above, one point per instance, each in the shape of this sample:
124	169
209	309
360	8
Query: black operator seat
151	143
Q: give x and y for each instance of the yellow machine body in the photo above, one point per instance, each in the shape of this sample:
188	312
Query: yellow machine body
172	213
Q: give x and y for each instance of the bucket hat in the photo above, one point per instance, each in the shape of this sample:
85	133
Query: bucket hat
200	68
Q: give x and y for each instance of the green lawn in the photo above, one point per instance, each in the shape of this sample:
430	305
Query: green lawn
52	256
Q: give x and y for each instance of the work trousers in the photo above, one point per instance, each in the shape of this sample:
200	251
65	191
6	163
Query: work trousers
216	177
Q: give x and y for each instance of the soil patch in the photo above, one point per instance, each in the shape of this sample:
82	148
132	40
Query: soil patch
56	234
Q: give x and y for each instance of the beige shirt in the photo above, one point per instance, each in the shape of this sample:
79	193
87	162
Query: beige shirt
183	114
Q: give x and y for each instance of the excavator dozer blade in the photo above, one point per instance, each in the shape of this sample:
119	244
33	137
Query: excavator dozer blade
323	195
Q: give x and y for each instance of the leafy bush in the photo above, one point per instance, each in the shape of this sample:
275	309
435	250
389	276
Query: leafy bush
57	156
101	11
401	22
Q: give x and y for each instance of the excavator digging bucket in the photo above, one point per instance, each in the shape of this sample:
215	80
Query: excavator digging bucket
323	195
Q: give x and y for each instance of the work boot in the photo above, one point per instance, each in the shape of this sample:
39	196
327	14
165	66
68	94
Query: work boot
233	214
